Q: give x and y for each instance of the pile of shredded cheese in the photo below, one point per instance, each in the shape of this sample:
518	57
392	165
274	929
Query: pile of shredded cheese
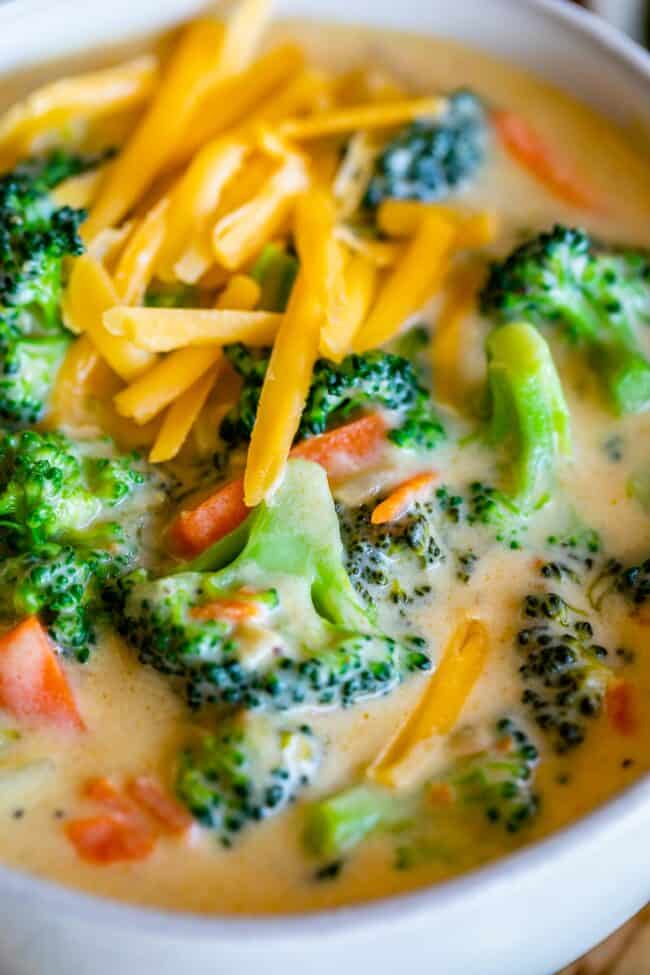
263	148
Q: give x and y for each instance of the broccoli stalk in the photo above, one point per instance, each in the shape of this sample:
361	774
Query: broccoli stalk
248	771
529	416
496	783
275	271
337	390
596	297
315	646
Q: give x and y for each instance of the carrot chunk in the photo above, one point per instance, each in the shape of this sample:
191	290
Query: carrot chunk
527	147
342	452
620	707
106	839
33	684
398	502
169	815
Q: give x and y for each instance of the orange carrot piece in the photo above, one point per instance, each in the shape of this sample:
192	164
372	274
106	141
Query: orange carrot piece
33	685
229	610
169	815
102	791
342	452
620	707
347	450
399	501
106	839
525	145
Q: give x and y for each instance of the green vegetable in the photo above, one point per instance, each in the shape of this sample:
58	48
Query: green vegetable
496	784
275	271
337	390
54	489
431	159
563	672
63	585
529	417
35	237
596	297
161	294
380	558
317	647
247	772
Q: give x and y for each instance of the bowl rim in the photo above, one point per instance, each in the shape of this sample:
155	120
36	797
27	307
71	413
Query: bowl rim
624	807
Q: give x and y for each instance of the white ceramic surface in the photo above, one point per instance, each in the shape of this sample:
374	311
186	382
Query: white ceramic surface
526	915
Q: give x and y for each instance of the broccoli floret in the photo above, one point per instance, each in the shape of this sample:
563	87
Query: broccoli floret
431	159
35	237
379	558
529	416
563	669
27	369
275	271
632	582
496	784
52	489
336	391
62	584
313	645
247	772
597	298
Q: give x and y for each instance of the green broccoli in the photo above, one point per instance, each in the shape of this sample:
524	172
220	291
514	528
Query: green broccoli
529	417
380	558
337	390
63	585
248	771
496	783
563	670
311	644
275	271
35	237
432	158
52	489
596	297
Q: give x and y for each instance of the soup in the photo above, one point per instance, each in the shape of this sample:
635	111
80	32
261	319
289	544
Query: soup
324	477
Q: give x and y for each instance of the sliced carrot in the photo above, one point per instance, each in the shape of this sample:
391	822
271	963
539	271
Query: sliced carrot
149	793
102	791
220	513
347	450
230	610
106	839
399	501
441	794
620	707
525	145
33	685
344	451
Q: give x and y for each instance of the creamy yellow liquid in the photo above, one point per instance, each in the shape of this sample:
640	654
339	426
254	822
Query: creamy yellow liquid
136	723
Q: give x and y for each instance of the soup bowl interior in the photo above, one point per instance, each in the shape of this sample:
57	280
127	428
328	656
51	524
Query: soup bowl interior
533	911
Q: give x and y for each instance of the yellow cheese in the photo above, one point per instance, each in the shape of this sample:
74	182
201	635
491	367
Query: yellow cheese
136	264
242	293
193	68
380	115
180	417
441	704
412	281
89	295
48	112
164	329
166	381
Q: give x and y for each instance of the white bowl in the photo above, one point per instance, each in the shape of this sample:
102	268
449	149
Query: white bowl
528	914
